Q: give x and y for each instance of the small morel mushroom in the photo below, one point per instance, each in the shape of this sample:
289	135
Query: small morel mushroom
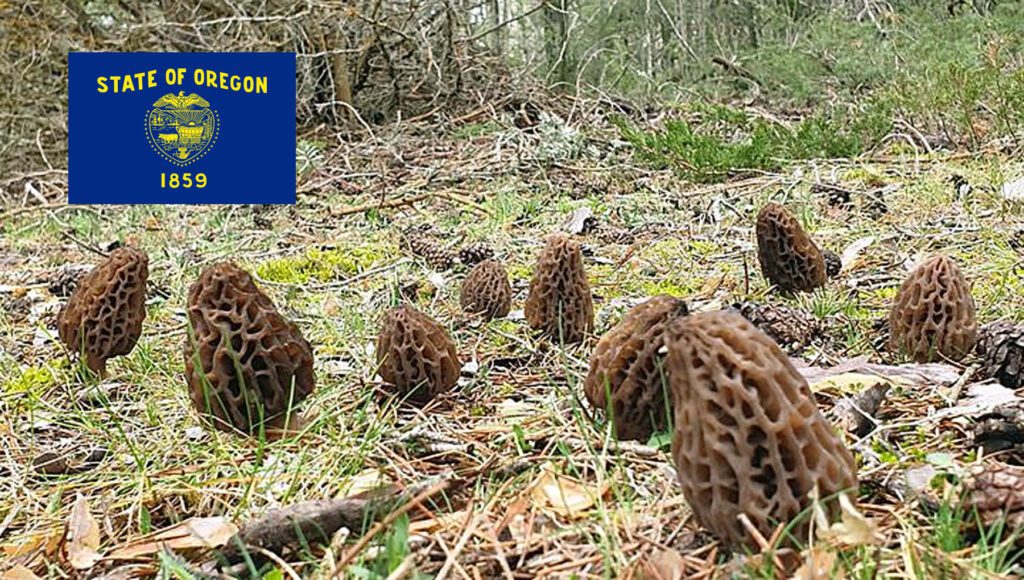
103	317
933	315
789	258
559	303
749	438
247	366
1001	346
416	355
486	290
628	366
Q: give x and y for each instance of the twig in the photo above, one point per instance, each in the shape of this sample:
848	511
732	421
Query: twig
735	69
28	209
459	545
414	502
317	521
84	245
382	204
451	195
501	25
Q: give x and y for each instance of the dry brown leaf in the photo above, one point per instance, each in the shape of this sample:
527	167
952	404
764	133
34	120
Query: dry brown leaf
563	495
853	529
189	534
439	522
852	252
361	482
661	565
818	566
83	538
47	541
18	573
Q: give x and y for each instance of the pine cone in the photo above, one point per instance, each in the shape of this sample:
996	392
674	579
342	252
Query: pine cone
1016	239
791	328
1001	346
422	244
996	491
1001	430
875	205
473	254
833	263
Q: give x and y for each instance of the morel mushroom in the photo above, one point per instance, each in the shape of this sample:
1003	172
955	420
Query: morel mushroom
416	355
628	367
247	366
933	315
789	258
103	318
559	303
486	290
749	438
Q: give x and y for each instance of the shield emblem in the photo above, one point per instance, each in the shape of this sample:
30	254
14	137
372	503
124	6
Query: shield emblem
181	128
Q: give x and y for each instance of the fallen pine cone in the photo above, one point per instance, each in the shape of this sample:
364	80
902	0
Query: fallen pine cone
473	254
423	244
996	491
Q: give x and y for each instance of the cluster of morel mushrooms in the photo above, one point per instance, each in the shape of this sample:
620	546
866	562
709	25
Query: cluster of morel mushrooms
748	438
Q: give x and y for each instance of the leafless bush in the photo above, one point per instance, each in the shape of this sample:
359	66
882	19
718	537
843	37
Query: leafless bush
358	62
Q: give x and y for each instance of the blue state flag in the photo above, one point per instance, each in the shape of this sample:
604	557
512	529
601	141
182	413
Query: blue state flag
181	127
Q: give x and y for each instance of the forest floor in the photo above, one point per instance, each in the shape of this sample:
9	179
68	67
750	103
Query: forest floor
525	479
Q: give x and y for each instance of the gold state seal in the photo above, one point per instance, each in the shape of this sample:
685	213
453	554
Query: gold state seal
181	128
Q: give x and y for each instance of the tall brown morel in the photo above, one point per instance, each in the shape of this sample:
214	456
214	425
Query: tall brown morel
247	366
789	258
103	317
749	438
416	355
628	367
933	315
486	290
559	303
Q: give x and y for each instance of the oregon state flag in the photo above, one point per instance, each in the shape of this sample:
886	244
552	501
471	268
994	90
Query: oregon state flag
181	127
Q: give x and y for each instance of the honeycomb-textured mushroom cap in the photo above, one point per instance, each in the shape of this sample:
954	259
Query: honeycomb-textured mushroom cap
416	355
628	364
789	258
246	365
749	438
933	314
559	303
487	290
103	317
